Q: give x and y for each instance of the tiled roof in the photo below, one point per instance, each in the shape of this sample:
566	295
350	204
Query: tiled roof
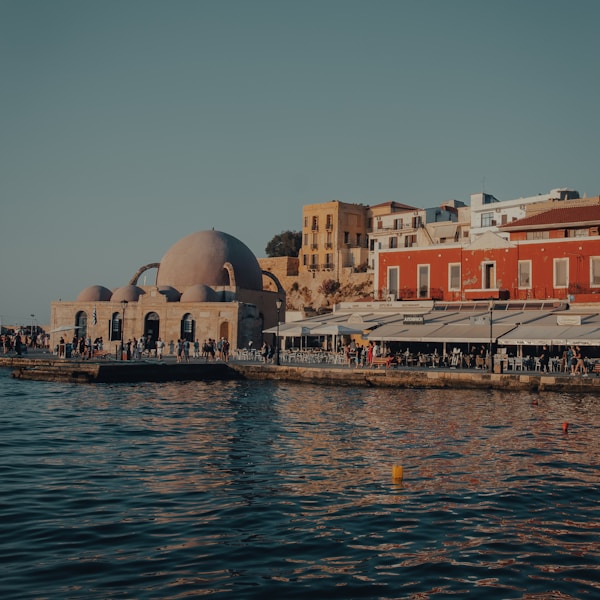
559	217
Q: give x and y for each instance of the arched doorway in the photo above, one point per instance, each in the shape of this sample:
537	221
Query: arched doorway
152	327
224	331
188	327
81	324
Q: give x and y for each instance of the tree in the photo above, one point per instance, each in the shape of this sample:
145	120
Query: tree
286	243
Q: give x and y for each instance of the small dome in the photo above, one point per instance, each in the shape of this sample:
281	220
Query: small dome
200	258
171	293
94	293
130	293
199	293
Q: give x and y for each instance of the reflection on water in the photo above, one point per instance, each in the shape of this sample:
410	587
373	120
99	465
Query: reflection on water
253	490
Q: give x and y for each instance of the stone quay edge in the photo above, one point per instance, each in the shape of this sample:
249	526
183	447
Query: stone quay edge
69	371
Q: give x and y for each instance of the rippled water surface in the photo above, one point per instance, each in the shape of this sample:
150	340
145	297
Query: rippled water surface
277	490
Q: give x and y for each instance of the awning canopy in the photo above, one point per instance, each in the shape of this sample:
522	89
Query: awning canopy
534	335
469	333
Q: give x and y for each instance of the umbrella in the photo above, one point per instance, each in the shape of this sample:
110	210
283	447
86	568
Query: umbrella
64	328
289	330
334	330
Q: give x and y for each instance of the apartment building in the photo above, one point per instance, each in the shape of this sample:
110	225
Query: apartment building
490	214
551	255
394	225
334	236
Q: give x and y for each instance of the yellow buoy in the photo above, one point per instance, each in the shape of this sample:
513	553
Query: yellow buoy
397	473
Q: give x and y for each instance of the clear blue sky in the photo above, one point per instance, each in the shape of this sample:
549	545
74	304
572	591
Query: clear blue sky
126	125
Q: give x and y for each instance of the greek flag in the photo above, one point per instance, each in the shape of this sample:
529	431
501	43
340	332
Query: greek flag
94	316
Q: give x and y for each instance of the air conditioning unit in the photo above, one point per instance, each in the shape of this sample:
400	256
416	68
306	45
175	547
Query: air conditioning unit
390	298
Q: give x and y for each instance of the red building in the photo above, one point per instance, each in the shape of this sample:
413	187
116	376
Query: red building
550	255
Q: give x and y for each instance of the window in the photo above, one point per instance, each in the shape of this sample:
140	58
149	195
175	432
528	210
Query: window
305	221
305	242
524	274
410	241
379	224
393	279
315	223
538	235
187	327
346	237
561	272
416	222
580	232
595	271
397	223
423	282
358	239
488	276
115	327
305	259
454	276
393	242
487	219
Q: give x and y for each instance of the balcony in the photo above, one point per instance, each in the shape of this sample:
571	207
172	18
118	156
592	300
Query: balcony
313	267
314	246
327	267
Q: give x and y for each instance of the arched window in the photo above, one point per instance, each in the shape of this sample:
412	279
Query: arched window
187	327
115	326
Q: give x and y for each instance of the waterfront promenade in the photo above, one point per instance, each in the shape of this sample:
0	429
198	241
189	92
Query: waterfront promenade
47	367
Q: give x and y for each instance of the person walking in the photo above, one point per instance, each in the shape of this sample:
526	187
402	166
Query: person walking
160	346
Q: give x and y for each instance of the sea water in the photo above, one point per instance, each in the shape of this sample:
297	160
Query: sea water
279	490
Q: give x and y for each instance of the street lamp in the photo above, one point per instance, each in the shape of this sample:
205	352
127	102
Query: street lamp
278	305
123	307
491	319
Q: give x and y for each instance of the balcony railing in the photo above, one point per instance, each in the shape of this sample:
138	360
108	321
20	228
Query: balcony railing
327	267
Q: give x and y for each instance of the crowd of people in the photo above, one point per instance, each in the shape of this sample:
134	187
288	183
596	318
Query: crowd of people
571	360
19	341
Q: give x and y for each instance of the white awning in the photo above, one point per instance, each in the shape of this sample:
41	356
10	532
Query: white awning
469	334
534	335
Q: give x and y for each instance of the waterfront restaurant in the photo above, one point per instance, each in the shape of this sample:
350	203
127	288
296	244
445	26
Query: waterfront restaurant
510	330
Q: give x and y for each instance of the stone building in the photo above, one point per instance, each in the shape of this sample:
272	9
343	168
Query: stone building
208	285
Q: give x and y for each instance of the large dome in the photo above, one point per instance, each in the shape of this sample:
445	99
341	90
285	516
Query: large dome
200	258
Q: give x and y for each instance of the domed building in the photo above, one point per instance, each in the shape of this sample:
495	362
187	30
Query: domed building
208	285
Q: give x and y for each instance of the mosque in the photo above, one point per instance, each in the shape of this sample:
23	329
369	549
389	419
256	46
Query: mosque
208	285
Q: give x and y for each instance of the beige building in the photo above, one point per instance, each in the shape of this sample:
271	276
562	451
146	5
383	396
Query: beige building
334	236
208	285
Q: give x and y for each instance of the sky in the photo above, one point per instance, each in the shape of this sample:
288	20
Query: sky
126	125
